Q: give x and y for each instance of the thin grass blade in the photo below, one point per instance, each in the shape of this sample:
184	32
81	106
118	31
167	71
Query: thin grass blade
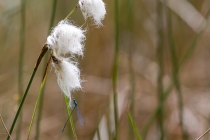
134	126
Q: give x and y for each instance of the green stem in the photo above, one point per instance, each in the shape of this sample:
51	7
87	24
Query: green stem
21	55
115	70
39	95
133	125
37	101
160	73
175	75
39	115
21	103
98	133
71	119
98	130
44	50
130	53
22	44
72	11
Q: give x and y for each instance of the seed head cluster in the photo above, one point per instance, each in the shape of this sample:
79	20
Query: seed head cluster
94	9
66	38
66	41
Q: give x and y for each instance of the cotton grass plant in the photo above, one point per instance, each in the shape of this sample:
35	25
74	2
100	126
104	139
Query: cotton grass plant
65	40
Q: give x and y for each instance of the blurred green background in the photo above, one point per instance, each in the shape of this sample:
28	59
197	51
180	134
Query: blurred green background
164	58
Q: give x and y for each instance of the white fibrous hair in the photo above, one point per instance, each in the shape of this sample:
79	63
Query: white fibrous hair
68	77
66	38
94	9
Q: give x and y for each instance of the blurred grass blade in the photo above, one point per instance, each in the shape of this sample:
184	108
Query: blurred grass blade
39	115
98	129
38	98
175	75
160	55
34	112
5	127
130	20
115	69
203	134
21	58
134	126
180	7
71	119
98	133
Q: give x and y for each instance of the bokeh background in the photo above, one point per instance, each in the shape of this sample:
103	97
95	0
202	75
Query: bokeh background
164	55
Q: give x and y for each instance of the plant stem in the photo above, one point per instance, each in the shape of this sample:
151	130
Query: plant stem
44	50
160	73
39	95
203	134
115	70
72	11
134	126
5	127
21	57
156	111
130	52
175	74
71	119
22	44
39	115
98	130
131	72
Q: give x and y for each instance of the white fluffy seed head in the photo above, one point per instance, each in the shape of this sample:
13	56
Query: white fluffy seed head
66	38
94	9
68	77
